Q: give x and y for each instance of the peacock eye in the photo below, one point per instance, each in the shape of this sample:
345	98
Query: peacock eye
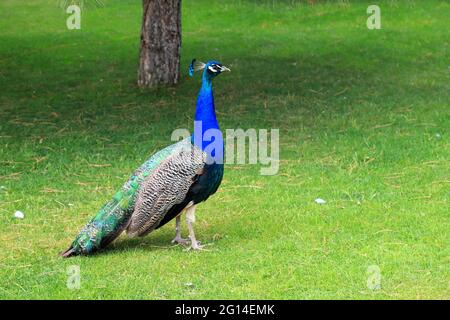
214	68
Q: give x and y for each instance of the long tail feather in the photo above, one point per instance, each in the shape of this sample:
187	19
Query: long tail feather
67	253
115	215
107	225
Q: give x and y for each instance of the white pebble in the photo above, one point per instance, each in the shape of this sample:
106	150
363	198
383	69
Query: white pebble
19	215
320	201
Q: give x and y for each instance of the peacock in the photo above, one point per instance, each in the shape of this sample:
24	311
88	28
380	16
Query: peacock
172	181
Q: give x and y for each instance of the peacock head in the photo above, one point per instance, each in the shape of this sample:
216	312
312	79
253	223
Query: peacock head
211	69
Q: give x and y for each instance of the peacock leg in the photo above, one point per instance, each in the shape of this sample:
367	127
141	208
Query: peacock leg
190	219
178	238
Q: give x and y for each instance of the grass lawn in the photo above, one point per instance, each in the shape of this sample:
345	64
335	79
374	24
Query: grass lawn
364	124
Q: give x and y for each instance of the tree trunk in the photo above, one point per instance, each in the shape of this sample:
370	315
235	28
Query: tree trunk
159	62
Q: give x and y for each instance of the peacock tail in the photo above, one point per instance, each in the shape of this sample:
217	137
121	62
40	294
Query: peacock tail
114	216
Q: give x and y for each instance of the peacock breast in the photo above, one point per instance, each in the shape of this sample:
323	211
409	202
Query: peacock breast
207	183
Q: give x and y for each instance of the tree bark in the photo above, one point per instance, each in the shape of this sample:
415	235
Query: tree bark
159	62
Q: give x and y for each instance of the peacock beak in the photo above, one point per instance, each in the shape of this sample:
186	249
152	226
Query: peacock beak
223	68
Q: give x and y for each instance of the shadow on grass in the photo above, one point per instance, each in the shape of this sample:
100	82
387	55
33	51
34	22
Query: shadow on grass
153	242
149	243
59	67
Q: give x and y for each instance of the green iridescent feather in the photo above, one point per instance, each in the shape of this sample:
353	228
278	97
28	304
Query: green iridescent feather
113	217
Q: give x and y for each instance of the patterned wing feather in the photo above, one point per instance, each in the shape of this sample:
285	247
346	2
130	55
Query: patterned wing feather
164	188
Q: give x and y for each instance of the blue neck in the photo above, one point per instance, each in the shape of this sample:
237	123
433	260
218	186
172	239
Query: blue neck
205	112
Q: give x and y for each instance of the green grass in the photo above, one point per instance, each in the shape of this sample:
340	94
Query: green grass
364	124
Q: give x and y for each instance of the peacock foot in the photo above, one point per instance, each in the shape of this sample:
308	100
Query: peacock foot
197	246
180	240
